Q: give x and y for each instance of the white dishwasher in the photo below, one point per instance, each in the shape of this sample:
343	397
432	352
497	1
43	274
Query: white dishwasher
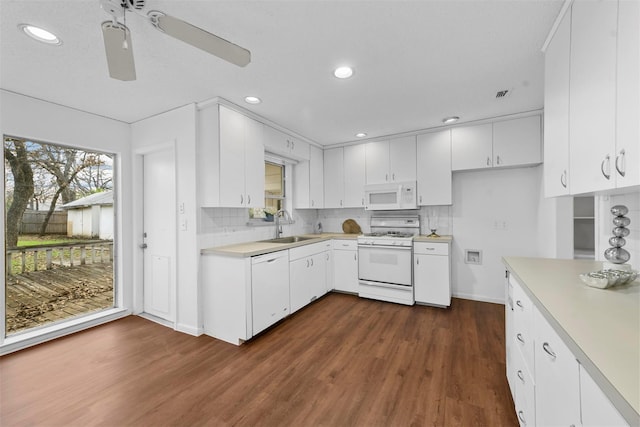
269	289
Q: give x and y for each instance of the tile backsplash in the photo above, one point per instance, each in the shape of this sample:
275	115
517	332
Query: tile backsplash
604	224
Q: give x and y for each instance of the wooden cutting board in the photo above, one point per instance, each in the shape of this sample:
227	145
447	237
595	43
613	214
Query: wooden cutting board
351	227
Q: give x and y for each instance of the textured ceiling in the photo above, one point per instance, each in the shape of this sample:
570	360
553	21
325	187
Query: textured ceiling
415	61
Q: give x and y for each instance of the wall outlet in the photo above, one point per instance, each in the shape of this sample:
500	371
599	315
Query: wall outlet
473	256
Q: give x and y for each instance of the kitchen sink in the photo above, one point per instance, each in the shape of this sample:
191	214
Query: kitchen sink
290	239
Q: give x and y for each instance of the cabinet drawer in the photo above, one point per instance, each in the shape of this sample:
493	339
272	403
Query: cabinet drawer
306	250
345	245
522	322
429	248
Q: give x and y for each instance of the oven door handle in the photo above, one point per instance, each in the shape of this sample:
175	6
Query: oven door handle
404	248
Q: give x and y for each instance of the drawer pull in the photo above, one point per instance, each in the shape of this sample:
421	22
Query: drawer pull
521	376
519	337
519	304
521	417
547	348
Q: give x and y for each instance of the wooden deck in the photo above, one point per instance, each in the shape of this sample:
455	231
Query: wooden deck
41	297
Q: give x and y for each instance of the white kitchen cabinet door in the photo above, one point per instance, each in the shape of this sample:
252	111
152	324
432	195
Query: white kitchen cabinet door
510	347
299	149
354	175
592	116
316	177
345	268
596	409
556	111
254	163
232	161
334	178
523	323
627	155
308	280
402	159
208	159
328	255
434	168
278	142
431	279
517	142
377	162
557	376
472	147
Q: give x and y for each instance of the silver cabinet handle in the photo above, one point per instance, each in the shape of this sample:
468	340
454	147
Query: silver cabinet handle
393	177
355	257
521	417
563	179
327	257
293	145
143	246
519	338
420	199
340	202
241	199
249	199
307	263
547	348
519	304
417	261
311	262
312	202
521	376
622	171
498	160
488	161
606	160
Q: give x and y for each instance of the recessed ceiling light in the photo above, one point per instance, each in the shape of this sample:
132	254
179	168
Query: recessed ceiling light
451	119
361	135
343	72
40	34
252	100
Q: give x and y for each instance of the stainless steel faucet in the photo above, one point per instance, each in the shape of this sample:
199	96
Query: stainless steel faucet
286	216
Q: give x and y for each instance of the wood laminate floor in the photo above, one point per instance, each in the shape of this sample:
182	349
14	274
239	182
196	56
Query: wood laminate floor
342	361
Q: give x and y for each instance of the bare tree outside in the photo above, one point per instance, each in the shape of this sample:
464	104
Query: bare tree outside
59	226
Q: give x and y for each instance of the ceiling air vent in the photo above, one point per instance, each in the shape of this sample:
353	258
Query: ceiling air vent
502	93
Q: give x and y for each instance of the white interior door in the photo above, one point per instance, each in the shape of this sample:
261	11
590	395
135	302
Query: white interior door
160	234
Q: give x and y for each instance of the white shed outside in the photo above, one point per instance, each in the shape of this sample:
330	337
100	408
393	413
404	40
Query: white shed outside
91	216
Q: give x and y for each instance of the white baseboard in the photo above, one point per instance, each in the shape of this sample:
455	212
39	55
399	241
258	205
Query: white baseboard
180	327
187	329
480	298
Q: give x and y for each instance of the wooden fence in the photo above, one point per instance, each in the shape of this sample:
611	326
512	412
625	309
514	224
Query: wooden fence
45	257
32	221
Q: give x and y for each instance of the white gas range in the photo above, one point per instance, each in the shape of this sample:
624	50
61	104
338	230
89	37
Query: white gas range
385	259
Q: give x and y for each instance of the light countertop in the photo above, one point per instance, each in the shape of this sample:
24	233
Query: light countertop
250	249
600	326
439	239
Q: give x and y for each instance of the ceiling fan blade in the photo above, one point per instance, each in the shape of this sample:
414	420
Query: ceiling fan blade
200	38
119	50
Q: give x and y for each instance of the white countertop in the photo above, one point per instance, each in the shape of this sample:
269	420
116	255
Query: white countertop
600	326
439	239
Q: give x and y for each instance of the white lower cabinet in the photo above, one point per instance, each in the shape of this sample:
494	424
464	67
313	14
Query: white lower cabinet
431	273
557	377
597	410
307	273
269	289
549	385
345	266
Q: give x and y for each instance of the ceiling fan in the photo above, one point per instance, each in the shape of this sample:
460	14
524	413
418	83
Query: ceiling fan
119	50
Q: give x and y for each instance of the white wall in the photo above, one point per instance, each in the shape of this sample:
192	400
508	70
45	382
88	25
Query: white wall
495	211
38	120
173	127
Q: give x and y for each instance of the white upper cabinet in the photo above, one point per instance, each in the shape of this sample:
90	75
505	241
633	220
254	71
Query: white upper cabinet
391	161
605	96
627	155
505	143
308	181
592	117
517	142
472	147
278	142
434	168
354	176
241	160
556	111
334	178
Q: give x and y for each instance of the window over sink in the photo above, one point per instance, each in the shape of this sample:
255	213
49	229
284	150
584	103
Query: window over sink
274	190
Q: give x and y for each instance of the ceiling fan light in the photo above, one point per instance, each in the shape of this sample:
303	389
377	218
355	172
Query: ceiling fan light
449	120
252	100
40	34
343	72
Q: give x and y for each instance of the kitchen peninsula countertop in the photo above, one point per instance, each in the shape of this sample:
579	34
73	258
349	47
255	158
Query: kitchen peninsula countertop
249	249
439	239
600	326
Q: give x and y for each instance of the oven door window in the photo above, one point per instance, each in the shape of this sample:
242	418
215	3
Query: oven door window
385	265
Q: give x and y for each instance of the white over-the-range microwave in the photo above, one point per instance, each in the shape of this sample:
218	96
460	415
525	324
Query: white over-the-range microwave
391	196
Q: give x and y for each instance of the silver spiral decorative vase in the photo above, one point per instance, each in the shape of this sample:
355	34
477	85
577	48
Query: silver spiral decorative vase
616	254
